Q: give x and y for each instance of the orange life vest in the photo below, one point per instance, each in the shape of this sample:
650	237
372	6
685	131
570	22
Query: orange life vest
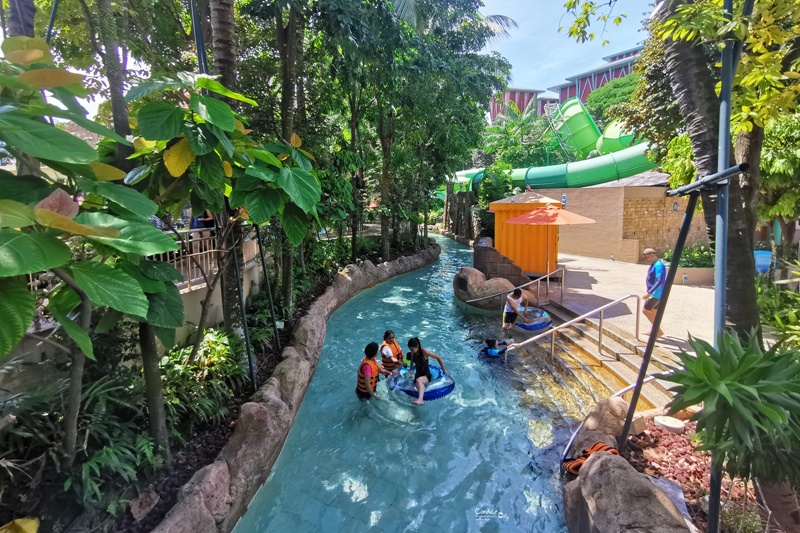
388	364
373	379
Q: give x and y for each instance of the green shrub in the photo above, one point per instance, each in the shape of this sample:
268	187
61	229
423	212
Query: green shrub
695	256
751	405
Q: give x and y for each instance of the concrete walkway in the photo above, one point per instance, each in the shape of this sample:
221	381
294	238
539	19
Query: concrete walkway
591	283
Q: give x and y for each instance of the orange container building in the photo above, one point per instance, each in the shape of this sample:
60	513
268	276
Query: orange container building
526	245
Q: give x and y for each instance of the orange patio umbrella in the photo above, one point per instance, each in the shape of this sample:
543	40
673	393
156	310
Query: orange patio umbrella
550	215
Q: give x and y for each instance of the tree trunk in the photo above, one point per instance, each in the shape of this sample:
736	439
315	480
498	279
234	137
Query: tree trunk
75	392
223	30
107	32
286	37
742	306
153	393
301	258
356	177
694	89
385	134
788	229
21	14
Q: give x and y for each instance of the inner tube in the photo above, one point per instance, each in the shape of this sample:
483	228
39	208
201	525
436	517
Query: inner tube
494	348
440	386
541	320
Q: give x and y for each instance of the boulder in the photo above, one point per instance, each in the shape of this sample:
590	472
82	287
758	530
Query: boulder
251	452
603	424
308	336
618	498
189	515
212	482
143	504
294	375
269	392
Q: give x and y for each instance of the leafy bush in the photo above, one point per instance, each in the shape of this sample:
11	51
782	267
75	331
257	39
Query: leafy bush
695	256
679	161
202	390
751	405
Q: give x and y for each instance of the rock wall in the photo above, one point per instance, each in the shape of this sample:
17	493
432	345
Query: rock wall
493	264
470	284
609	495
461	220
218	495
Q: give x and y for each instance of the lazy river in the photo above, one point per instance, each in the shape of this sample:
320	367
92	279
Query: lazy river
484	458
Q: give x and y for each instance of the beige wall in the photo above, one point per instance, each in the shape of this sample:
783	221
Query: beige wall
650	219
602	240
629	219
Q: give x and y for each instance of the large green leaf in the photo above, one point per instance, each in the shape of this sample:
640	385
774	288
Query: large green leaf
135	236
75	332
301	186
24	253
223	138
137	174
24	189
110	287
201	141
295	224
40	139
154	85
160	270
166	308
216	87
262	204
213	111
149	285
15	215
160	121
128	198
166	336
17	307
64	300
210	171
47	110
301	160
263	173
262	155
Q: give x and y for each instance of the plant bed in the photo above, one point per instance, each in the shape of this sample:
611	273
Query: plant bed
661	453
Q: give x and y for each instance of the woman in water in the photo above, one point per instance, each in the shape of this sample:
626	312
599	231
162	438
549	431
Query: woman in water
368	372
419	362
391	353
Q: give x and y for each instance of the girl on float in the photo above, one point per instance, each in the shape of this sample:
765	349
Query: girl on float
368	371
419	363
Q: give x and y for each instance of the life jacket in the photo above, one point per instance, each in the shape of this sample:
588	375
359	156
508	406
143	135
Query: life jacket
373	379
389	364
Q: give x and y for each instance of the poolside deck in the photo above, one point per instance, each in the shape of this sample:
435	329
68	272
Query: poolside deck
591	283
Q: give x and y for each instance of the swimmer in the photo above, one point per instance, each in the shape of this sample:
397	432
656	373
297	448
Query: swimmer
419	362
368	372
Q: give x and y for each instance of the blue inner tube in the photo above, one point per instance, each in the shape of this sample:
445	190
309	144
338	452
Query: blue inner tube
440	386
541	320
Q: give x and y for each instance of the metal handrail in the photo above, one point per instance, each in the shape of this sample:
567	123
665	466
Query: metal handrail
580	426
537	281
601	309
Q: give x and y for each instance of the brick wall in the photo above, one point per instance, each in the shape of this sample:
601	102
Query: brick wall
650	218
493	264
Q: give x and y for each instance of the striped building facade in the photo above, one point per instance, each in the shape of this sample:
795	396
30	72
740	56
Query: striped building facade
581	85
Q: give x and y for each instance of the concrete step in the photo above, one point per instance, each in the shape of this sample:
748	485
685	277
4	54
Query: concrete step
615	374
618	359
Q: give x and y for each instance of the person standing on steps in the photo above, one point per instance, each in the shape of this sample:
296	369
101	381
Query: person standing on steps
656	279
368	371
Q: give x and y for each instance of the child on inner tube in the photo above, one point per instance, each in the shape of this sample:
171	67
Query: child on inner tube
493	347
419	362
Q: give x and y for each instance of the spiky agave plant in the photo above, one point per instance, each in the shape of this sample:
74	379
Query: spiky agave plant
751	405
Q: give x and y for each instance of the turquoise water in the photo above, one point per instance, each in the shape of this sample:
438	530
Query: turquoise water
483	458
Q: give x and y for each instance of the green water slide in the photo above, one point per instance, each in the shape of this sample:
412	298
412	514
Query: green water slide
576	132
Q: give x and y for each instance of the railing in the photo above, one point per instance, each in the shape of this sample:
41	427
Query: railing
537	281
580	426
601	310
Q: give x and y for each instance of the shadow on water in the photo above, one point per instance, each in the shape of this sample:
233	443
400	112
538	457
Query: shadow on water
484	458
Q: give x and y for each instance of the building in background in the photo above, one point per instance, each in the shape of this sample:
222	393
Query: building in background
522	98
581	85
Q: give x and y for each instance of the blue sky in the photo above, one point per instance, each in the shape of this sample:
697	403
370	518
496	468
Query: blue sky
541	57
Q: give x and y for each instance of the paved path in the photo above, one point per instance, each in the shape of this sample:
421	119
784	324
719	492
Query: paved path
591	283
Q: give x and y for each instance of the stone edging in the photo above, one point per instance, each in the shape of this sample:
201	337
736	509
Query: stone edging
218	494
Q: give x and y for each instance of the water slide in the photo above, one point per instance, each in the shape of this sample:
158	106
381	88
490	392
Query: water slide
600	158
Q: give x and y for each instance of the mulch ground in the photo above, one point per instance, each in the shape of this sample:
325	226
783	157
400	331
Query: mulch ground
661	453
